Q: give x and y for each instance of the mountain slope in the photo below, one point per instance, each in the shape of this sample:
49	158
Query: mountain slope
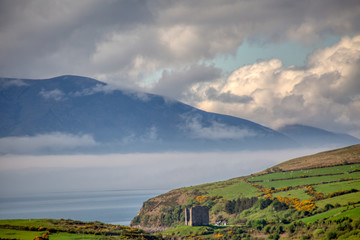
302	191
315	137
120	120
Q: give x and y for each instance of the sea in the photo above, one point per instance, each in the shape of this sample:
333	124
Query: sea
110	206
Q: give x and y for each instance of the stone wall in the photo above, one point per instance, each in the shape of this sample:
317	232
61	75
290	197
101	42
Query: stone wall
197	216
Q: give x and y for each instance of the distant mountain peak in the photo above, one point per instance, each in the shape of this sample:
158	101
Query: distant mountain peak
316	137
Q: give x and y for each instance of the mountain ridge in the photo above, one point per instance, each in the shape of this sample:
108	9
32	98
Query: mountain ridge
119	120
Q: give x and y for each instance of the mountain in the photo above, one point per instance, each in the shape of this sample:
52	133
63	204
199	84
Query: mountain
292	199
308	136
81	114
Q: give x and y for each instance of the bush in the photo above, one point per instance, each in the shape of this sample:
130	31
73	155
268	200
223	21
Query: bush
274	236
279	206
263	203
267	229
291	228
331	235
318	232
328	206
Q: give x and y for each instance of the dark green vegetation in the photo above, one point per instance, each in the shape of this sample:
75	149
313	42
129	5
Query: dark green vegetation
319	201
40	229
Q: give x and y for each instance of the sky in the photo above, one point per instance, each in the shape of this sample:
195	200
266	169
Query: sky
273	62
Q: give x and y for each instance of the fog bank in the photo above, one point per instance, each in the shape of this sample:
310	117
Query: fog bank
39	174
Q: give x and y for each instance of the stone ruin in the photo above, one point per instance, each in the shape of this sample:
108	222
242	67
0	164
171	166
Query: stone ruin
197	216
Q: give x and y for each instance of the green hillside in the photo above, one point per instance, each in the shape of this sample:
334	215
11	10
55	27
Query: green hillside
319	201
43	229
286	201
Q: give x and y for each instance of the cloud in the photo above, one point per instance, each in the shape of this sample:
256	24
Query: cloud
226	97
26	173
123	41
44	142
214	130
13	82
176	84
324	93
55	94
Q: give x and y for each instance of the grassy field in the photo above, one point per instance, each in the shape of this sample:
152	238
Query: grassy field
307	172
237	188
339	186
18	234
66	230
342	200
297	193
323	215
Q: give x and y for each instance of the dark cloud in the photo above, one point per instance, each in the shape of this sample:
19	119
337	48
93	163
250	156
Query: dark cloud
178	84
50	38
123	40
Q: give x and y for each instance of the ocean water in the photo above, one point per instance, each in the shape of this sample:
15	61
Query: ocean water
115	206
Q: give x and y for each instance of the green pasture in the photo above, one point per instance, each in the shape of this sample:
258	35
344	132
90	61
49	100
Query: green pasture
309	180
186	231
236	189
70	236
18	234
342	200
351	213
297	193
337	186
308	172
28	222
323	215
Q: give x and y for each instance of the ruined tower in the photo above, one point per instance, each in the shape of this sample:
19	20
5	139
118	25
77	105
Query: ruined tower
197	216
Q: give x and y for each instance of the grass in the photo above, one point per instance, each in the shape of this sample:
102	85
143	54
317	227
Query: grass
27	222
342	200
18	234
186	231
232	191
329	158
351	213
307	172
68	236
308	181
338	186
323	215
298	193
67	229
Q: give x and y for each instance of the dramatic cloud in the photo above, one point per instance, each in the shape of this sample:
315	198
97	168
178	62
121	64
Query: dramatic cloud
326	92
44	142
176	84
127	40
166	47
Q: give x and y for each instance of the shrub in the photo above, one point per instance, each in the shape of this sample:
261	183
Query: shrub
274	236
328	206
279	206
291	228
318	232
267	229
331	235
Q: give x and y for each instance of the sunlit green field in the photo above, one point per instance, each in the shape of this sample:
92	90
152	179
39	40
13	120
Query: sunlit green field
66	229
307	172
